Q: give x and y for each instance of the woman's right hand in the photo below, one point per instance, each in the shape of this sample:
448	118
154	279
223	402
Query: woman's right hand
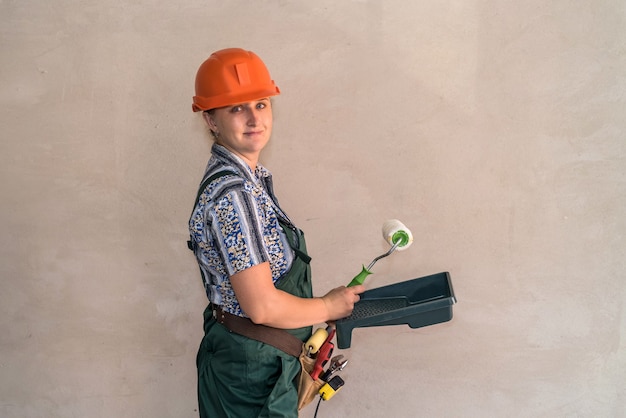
340	301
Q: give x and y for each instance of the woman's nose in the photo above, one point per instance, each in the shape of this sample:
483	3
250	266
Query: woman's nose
253	117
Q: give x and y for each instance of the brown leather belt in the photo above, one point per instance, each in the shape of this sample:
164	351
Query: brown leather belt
276	337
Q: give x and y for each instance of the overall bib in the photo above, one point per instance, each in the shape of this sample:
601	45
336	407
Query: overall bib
239	377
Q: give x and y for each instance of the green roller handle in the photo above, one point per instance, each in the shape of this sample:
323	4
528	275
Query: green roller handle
360	278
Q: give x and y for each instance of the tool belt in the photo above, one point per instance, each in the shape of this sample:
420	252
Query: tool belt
307	387
278	338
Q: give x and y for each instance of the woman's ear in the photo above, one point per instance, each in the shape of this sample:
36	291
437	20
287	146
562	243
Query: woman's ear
209	120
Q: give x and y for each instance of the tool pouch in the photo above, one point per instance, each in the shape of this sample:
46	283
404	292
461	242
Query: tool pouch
308	388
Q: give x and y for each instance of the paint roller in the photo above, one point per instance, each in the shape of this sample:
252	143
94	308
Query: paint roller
398	236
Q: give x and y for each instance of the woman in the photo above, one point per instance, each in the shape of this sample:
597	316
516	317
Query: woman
252	258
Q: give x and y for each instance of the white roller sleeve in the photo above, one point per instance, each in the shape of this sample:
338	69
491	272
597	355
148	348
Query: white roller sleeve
393	229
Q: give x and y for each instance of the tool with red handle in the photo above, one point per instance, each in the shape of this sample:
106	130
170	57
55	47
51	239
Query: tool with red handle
323	355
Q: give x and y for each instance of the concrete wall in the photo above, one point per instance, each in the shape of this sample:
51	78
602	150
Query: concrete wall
493	129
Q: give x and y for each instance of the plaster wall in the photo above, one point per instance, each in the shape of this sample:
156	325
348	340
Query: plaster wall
493	129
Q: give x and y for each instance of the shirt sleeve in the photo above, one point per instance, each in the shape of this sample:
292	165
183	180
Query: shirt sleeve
238	231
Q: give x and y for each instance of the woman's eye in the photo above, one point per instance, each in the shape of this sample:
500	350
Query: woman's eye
236	109
261	106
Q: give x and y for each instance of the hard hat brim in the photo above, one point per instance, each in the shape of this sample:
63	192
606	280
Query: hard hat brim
205	103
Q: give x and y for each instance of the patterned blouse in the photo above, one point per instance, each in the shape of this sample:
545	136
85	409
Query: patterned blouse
235	226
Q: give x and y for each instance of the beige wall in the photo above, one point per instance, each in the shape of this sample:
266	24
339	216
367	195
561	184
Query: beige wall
493	129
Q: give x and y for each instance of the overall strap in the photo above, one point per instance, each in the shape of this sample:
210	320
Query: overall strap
295	237
201	189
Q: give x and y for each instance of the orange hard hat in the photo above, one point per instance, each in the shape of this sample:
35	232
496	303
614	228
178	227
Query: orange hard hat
232	76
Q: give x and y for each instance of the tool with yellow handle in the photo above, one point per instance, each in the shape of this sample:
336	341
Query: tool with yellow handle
316	341
323	355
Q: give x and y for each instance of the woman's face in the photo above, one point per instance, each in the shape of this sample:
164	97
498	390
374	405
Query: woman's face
244	128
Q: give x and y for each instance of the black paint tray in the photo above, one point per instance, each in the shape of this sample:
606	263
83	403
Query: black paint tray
418	303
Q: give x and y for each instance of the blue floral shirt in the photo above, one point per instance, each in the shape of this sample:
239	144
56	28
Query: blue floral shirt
235	226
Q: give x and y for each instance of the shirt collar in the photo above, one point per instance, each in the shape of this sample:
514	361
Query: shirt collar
228	158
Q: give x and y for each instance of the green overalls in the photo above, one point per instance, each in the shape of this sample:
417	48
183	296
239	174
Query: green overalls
243	378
